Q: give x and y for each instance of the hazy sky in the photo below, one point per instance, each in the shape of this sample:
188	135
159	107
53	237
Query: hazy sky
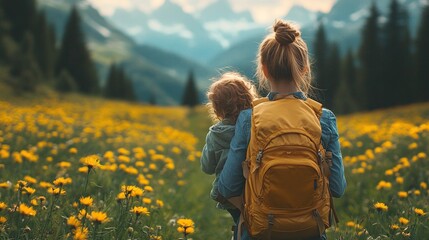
263	10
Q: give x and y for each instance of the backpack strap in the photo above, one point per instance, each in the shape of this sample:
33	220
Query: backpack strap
259	101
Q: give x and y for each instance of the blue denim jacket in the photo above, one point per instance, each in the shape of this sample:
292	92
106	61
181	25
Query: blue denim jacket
231	179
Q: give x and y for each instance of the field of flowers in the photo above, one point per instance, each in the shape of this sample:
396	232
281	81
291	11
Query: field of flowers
78	168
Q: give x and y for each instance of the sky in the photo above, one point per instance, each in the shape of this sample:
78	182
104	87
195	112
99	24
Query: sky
263	11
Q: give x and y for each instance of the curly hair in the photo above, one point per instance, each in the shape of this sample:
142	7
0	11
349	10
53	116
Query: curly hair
230	94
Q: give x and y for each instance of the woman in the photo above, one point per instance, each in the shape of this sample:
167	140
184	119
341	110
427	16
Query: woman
283	67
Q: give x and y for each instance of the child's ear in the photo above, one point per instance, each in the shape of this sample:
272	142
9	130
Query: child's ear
265	70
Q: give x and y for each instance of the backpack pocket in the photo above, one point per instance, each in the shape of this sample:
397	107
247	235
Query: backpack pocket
290	184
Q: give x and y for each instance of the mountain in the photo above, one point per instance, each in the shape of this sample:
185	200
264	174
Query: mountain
199	36
343	24
151	68
301	15
168	22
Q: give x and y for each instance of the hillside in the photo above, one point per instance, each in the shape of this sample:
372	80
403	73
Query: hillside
152	69
49	139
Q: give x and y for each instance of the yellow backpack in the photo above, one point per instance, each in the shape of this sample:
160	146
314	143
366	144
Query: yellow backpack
286	194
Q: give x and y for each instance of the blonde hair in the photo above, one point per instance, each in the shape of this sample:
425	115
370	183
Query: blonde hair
285	56
230	94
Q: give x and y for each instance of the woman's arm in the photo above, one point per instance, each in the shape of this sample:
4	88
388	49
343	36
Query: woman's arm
337	180
231	179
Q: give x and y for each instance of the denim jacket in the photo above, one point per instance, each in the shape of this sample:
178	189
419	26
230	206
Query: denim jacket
231	179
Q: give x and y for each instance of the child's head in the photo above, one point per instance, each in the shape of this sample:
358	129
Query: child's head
230	94
283	56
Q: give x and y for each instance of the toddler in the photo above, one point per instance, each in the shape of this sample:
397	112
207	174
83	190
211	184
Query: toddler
227	96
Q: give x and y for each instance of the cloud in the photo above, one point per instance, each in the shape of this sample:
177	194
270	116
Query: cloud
264	11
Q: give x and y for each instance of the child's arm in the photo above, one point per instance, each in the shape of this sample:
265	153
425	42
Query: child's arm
208	158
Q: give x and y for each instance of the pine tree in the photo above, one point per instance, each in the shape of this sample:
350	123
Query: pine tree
112	85
423	57
372	94
321	57
22	15
345	101
24	71
45	50
118	84
75	57
65	82
332	75
190	95
396	55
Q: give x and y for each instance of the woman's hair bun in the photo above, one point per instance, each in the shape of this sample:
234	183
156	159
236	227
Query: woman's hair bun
285	32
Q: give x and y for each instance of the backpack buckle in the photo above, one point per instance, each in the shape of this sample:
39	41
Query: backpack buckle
259	157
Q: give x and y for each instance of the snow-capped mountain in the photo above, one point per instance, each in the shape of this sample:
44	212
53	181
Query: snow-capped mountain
199	36
343	24
154	71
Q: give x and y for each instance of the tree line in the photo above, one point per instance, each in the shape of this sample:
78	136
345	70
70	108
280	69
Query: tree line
31	56
390	67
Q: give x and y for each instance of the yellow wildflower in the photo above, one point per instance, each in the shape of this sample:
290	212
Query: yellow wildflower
3	205
62	181
381	206
86	201
73	222
98	217
403	221
80	234
140	211
419	211
3	220
402	194
56	191
26	210
91	161
394	226
28	190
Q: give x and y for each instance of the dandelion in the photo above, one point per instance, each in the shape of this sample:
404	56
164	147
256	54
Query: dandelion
394	226
28	190
186	226
160	203
97	217
3	205
402	194
73	222
147	201
64	164
140	211
400	180
30	179
82	214
91	161
417	192
423	185
381	206
6	184
73	150
80	234
56	191
403	221
26	210
86	201
3	220
419	212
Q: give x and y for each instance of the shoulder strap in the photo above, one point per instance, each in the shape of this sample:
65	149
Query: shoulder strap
316	106
259	101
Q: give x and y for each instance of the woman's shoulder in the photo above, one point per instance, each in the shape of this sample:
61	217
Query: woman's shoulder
327	115
245	115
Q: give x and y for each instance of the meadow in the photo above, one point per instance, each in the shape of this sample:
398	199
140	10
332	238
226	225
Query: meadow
74	167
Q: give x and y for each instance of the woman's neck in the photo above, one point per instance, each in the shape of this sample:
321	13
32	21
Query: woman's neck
284	87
